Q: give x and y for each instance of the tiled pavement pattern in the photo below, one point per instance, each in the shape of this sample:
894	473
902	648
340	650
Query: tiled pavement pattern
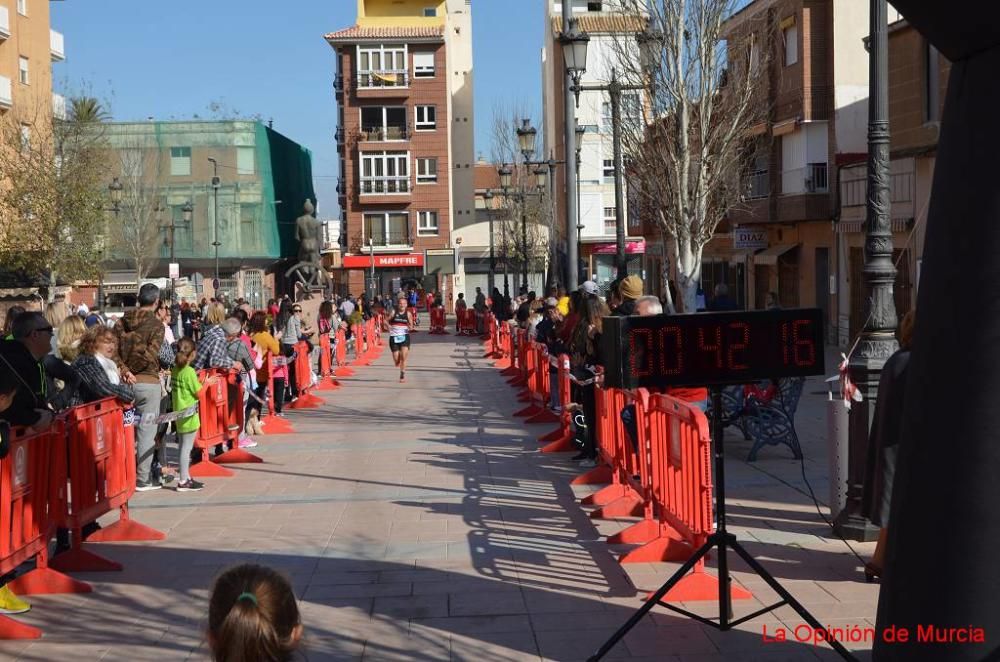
417	522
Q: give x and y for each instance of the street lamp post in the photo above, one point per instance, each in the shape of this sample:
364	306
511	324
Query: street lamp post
877	340
580	131
115	192
574	47
491	280
216	183
371	281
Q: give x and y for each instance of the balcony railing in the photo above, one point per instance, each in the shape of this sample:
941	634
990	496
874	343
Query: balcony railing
59	106
383	133
341	186
381	240
338	84
339	135
6	95
382	79
811	179
757	185
57	46
4	23
385	185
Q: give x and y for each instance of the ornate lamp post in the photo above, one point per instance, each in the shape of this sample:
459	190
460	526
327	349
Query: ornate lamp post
115	189
574	47
491	281
877	341
216	183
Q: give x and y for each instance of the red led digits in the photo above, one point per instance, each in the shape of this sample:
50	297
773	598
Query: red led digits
678	350
641	348
805	348
717	347
741	340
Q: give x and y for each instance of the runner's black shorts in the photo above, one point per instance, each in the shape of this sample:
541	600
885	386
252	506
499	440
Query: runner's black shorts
396	346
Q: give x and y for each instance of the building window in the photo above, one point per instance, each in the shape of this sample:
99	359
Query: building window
427	171
932	84
610	220
22	7
382	66
383	123
606	118
245	161
426	118
423	65
594	6
387	229
790	35
427	223
22	69
609	171
430	12
248	225
385	173
180	161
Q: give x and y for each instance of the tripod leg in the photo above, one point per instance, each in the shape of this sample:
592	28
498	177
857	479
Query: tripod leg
762	572
653	600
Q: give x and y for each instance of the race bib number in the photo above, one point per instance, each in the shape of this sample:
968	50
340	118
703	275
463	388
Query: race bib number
398	336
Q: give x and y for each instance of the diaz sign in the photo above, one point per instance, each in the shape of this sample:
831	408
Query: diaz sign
749	238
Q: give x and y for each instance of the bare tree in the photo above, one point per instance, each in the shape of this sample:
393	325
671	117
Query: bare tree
140	166
513	247
53	195
688	144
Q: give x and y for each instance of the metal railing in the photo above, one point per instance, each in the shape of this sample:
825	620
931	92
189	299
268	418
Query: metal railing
341	186
811	179
385	185
757	184
381	240
339	135
382	79
383	133
338	83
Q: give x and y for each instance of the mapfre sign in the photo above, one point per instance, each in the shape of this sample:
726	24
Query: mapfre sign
749	239
384	261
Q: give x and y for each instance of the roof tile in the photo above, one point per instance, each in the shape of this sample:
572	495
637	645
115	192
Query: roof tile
358	32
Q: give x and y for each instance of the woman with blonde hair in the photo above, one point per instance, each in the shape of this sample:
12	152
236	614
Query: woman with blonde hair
55	313
70	333
884	442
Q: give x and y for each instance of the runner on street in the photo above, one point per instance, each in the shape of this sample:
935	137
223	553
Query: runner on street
399	327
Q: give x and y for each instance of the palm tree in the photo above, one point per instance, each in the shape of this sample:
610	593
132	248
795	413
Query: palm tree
87	109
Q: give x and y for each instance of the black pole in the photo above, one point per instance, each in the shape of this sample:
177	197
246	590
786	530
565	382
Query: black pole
524	242
615	91
493	260
877	342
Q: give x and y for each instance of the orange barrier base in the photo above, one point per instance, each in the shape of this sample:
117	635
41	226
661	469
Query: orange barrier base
698	586
276	425
641	533
306	401
561	445
46	581
601	475
328	384
659	551
208	469
545	416
343	371
630	505
606	495
81	560
238	456
510	371
517	380
11	629
126	530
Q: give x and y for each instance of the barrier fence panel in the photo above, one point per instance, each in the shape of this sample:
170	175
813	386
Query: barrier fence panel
303	379
101	472
561	439
541	389
326	379
438	323
274	424
212	402
466	322
343	370
234	421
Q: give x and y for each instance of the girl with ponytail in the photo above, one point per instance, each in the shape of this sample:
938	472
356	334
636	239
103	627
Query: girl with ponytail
253	616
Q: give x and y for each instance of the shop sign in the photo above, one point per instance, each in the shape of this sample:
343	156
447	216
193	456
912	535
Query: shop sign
749	239
403	261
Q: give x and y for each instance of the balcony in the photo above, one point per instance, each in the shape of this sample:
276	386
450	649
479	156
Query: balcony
383	134
339	135
57	46
385	186
811	179
338	84
4	23
59	111
388	240
376	84
341	187
757	185
6	95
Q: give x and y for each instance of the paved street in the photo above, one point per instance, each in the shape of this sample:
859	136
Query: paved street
417	521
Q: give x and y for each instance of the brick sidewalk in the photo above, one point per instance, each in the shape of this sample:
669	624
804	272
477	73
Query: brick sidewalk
417	522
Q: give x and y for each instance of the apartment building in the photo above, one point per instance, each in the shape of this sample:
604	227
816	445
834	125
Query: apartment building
405	138
818	97
246	217
597	210
28	48
918	78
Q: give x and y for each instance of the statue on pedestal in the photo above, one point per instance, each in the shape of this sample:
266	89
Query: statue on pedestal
308	271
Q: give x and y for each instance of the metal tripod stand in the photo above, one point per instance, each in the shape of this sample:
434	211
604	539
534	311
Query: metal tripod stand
723	541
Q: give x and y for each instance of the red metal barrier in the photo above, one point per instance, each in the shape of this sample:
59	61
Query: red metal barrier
102	468
274	424
466	322
561	439
303	379
212	403
360	353
503	351
32	498
624	497
326	379
234	421
438	322
342	370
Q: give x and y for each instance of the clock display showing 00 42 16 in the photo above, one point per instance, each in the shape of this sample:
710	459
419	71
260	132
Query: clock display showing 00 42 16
712	349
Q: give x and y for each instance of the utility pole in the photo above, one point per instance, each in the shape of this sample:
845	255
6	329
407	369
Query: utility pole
615	91
216	182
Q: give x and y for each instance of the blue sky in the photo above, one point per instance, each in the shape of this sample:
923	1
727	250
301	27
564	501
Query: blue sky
172	60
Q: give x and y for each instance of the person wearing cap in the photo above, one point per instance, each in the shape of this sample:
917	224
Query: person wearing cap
588	287
629	291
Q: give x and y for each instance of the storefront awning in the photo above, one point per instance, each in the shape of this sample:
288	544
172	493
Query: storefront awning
771	255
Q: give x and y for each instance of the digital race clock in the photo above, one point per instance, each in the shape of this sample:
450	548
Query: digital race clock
706	349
